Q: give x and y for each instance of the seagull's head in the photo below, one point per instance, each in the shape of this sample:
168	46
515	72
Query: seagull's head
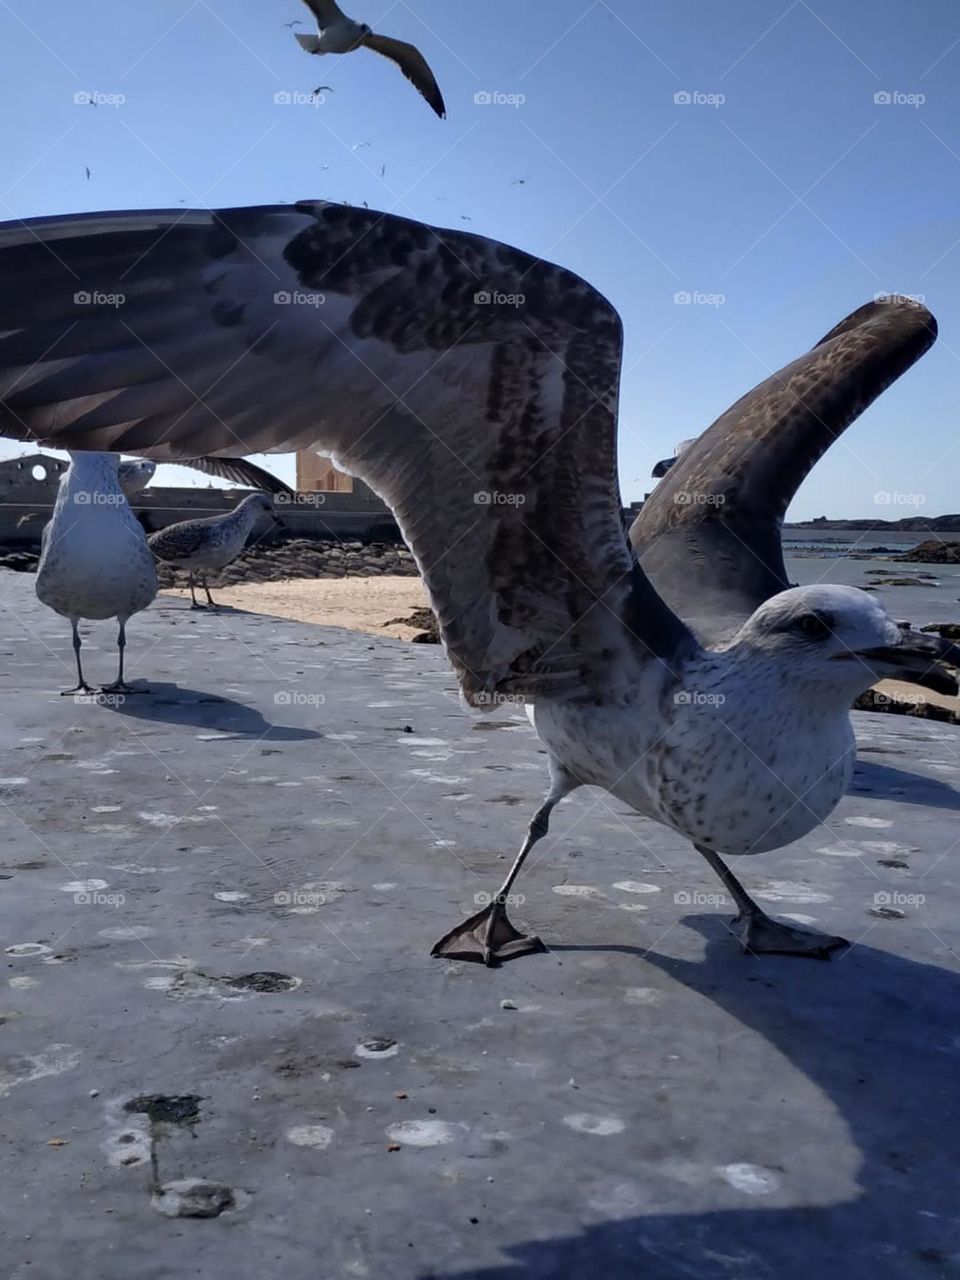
261	504
842	639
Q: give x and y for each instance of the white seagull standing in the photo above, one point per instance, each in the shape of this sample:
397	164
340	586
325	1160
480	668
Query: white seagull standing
491	431
95	562
340	34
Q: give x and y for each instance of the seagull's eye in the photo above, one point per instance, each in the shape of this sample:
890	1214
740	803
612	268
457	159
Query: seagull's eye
814	625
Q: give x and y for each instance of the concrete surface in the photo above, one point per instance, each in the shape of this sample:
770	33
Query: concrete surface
650	1103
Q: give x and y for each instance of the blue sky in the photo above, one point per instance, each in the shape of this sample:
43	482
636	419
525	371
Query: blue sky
796	198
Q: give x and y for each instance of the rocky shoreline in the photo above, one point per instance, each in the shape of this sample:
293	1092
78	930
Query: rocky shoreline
274	561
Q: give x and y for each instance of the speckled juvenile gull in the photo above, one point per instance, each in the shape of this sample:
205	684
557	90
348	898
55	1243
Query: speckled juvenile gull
204	546
489	425
95	562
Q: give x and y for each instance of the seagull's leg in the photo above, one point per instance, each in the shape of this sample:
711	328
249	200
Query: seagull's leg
758	932
488	936
81	685
210	600
194	604
120	685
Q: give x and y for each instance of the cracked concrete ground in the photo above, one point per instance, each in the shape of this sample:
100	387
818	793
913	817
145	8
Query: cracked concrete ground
225	1050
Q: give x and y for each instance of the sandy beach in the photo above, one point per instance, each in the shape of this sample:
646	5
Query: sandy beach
359	604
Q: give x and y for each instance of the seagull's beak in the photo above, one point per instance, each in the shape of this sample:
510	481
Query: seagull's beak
917	659
662	467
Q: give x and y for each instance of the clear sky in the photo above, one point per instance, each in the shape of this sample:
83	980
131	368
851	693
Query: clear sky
784	187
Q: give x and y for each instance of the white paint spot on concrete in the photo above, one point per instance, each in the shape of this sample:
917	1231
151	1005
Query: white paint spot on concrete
342	737
377	1047
23	984
317	1136
13	782
231	895
790	891
171	819
599	1126
384	886
632	906
841	851
862	821
422	1133
577	891
83	886
126	932
28	949
197	1198
643	995
636	886
427	775
411	740
751	1179
177	962
106	808
55	1060
799	917
128	1145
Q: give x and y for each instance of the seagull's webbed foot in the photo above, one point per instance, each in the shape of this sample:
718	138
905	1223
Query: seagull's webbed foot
759	934
487	938
120	686
82	687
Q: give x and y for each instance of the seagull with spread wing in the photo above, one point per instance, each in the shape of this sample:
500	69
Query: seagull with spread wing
491	432
340	34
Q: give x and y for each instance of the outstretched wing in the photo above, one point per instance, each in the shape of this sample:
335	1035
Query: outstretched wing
240	471
413	65
708	537
470	385
326	12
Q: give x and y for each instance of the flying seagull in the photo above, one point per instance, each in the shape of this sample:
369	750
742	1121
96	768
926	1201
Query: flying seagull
94	561
207	545
491	432
340	34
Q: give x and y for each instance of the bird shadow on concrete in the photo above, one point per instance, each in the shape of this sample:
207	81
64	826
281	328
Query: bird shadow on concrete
877	1035
161	702
883	781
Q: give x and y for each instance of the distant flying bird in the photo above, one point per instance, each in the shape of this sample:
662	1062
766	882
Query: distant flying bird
518	182
358	146
465	218
323	88
383	171
86	171
295	23
340	34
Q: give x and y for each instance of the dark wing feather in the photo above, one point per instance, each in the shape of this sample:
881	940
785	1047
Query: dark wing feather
709	535
413	65
240	471
470	385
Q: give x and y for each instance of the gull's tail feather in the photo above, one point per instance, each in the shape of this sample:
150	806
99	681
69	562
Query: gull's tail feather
309	42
